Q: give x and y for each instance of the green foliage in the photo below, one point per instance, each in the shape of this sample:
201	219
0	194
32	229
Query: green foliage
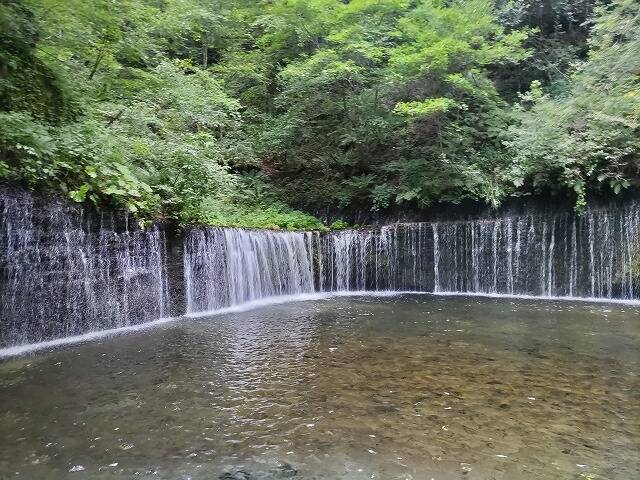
272	216
558	39
339	225
368	91
425	108
72	159
588	137
226	113
26	82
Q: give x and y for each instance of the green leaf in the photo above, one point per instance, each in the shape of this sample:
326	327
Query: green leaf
424	108
80	194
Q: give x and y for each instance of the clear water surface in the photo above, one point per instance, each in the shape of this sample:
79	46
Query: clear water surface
408	387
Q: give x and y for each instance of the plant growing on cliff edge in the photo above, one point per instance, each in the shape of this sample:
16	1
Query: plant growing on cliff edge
339	225
73	159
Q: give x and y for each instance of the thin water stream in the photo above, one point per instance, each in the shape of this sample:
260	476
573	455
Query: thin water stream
407	387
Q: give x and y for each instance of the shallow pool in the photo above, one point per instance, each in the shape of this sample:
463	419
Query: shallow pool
408	387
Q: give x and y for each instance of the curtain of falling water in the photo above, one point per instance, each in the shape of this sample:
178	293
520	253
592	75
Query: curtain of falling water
63	272
230	266
595	255
394	257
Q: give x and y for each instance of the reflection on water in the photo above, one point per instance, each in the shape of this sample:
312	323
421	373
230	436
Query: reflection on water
414	387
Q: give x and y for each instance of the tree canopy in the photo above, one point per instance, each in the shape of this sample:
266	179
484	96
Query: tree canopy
233	112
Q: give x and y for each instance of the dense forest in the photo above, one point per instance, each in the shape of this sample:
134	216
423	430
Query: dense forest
251	112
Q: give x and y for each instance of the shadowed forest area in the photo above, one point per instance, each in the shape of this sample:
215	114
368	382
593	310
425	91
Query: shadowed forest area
250	113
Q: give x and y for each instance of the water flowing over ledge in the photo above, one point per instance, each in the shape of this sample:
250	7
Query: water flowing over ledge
68	273
64	271
595	256
230	266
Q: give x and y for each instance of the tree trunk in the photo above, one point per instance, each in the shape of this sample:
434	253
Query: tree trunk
205	50
96	64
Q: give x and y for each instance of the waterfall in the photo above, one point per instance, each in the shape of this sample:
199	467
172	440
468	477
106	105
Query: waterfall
561	255
64	272
230	266
595	255
393	257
